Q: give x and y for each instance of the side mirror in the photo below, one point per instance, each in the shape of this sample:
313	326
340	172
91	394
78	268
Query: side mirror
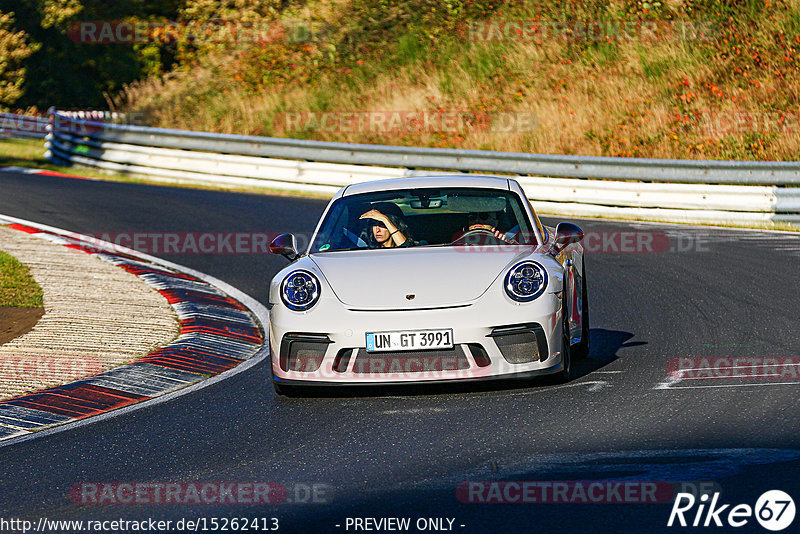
566	234
285	245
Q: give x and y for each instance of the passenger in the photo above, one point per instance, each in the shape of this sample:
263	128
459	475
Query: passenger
387	229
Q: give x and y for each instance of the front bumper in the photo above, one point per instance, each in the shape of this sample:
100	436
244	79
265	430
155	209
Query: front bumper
327	345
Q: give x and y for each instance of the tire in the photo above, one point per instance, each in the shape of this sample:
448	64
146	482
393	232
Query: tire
581	350
565	374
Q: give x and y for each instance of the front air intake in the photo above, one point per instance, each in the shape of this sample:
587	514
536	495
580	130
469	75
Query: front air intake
479	354
525	343
303	352
342	360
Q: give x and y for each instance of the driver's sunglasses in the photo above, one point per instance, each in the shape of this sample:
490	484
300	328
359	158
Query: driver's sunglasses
379	224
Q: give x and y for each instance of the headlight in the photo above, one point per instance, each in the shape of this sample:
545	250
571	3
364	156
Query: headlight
526	281
300	290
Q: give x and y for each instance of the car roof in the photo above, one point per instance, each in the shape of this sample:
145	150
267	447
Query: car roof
419	182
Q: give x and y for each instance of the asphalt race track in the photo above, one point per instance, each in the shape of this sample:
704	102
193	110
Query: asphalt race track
712	293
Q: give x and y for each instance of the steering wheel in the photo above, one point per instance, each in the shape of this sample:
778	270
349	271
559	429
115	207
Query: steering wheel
466	236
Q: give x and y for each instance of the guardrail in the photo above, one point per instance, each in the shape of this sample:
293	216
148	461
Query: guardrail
13	125
666	190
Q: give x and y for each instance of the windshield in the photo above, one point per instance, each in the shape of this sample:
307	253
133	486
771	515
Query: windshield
424	217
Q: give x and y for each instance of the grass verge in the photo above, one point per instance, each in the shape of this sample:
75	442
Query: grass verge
29	153
18	289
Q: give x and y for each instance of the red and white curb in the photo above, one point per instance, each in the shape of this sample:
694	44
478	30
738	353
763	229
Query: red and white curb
222	334
44	172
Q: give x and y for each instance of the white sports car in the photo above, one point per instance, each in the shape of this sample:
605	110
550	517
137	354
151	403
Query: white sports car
429	279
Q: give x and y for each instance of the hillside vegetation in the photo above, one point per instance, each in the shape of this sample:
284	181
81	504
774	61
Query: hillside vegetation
697	79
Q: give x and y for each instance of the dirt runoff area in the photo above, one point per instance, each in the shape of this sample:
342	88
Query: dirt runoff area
17	321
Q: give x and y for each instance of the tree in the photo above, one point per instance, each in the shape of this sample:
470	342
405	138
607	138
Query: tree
67	73
14	50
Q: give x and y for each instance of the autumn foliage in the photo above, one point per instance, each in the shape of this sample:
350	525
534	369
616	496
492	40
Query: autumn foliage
715	79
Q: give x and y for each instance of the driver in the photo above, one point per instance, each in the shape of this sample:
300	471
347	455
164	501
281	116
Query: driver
387	229
487	221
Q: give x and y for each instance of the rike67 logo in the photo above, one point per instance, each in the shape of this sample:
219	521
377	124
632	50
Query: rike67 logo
774	510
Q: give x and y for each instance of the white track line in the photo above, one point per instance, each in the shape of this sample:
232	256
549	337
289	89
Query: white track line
730	377
731	385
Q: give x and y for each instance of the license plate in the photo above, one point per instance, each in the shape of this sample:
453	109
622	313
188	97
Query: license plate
401	340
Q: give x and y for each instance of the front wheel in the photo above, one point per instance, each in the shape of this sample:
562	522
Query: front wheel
581	350
566	351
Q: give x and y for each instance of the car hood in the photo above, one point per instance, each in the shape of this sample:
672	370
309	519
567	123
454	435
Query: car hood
436	276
